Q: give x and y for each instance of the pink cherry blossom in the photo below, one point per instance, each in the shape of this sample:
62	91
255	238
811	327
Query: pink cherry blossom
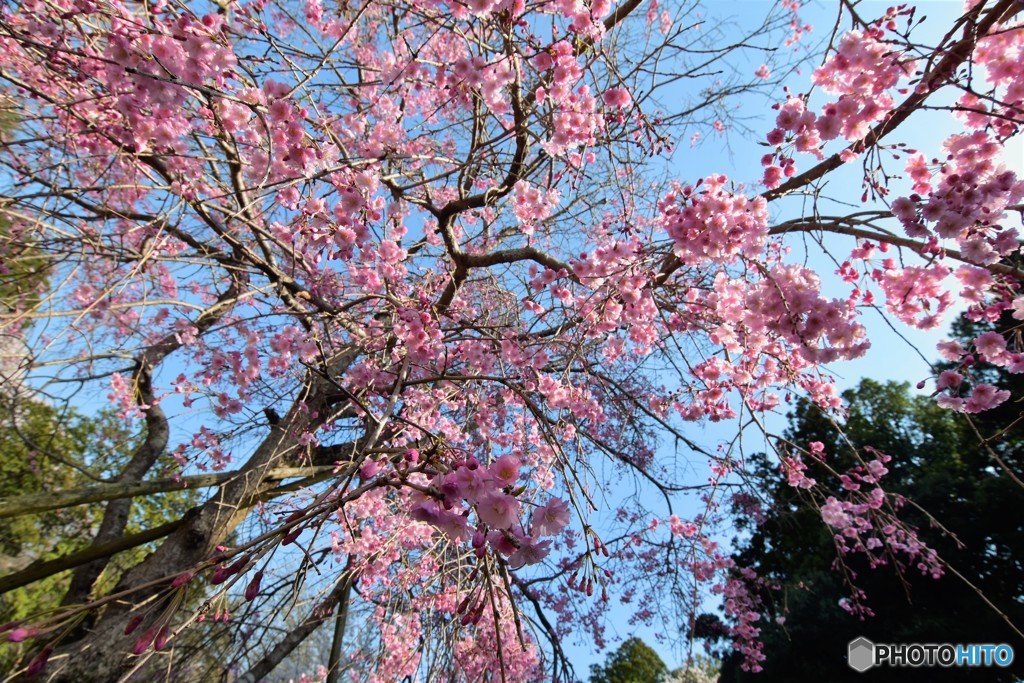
617	98
498	510
985	397
505	470
550	518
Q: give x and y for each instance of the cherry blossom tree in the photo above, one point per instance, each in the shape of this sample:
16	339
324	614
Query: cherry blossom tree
403	284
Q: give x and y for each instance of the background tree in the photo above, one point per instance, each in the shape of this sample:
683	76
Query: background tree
397	282
955	495
633	662
47	452
702	669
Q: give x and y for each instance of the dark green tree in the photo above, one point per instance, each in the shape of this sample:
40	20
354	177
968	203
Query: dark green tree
633	662
963	504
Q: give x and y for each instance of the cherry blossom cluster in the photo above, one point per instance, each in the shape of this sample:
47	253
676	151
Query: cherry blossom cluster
958	389
743	608
998	54
863	524
787	305
712	223
968	203
863	70
533	205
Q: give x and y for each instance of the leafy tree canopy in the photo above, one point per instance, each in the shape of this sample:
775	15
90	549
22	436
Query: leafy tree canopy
956	496
633	662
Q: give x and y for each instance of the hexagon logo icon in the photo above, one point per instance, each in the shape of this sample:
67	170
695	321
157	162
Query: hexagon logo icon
861	655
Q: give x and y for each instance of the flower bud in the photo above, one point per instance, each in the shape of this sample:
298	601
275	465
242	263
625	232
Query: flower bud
253	589
220	575
162	637
19	634
144	641
132	624
181	579
369	468
464	605
39	662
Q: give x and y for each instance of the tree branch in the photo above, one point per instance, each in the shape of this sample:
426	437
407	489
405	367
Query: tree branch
53	500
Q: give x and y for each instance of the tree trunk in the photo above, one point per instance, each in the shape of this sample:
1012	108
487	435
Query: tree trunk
103	654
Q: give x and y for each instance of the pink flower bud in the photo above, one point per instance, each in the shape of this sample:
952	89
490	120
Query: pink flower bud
162	637
18	635
220	575
39	662
181	579
144	641
464	605
253	589
132	624
369	468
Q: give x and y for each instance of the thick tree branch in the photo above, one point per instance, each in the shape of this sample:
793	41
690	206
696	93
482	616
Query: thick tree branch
55	500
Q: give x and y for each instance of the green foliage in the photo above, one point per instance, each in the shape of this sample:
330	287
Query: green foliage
633	662
22	268
23	271
48	449
939	466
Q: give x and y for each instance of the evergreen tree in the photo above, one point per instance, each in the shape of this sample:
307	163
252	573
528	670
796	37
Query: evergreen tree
963	505
633	662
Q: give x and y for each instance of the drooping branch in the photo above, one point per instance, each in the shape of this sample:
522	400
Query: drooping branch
312	622
850	225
